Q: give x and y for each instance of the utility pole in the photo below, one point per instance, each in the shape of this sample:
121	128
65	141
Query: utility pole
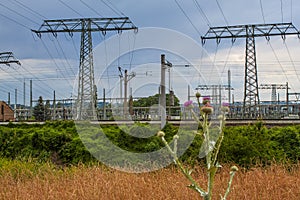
121	80
287	99
16	102
127	78
250	32
8	99
189	93
229	86
54	106
164	65
24	92
85	98
163	92
104	105
171	94
30	98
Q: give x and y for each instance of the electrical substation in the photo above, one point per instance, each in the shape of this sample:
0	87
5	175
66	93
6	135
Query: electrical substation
86	104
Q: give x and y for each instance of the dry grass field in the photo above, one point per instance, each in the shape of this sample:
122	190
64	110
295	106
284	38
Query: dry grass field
96	182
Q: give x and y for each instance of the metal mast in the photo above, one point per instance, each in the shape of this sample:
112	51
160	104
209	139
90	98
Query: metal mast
250	32
86	104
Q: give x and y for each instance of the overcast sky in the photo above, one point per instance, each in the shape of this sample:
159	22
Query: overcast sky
52	63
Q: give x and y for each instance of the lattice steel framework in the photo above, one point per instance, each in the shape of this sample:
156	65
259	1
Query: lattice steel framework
86	102
7	58
216	97
274	88
250	32
251	95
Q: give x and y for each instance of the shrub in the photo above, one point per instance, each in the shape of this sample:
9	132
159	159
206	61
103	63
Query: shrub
243	145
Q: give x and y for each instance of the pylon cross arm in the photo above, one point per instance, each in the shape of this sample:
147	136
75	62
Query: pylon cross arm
258	30
75	25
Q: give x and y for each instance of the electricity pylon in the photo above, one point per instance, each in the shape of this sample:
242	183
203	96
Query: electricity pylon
86	104
250	32
7	58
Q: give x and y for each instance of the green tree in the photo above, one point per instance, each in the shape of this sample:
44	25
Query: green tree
39	110
152	100
171	100
58	105
47	110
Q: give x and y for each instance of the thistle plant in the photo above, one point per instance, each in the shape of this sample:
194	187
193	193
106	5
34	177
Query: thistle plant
212	140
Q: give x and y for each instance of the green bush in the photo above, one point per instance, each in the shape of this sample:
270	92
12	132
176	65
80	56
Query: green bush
59	141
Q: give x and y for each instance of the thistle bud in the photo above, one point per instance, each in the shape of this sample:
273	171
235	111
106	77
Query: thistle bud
198	95
234	169
175	137
160	134
207	109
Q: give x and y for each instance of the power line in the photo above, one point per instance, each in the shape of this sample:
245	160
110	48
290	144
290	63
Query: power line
48	51
187	17
291	10
106	61
281	9
41	81
116	12
280	64
226	21
29	9
202	12
262	11
65	4
11	19
132	51
19	14
21	24
65	57
293	64
65	70
13	76
33	75
116	8
24	25
227	59
95	11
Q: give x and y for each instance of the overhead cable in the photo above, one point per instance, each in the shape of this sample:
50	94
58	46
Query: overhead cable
185	14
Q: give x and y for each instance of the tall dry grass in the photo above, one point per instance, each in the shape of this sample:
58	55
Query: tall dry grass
274	183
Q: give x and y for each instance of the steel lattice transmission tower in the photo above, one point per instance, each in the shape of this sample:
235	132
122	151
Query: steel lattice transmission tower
250	32
86	102
7	58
